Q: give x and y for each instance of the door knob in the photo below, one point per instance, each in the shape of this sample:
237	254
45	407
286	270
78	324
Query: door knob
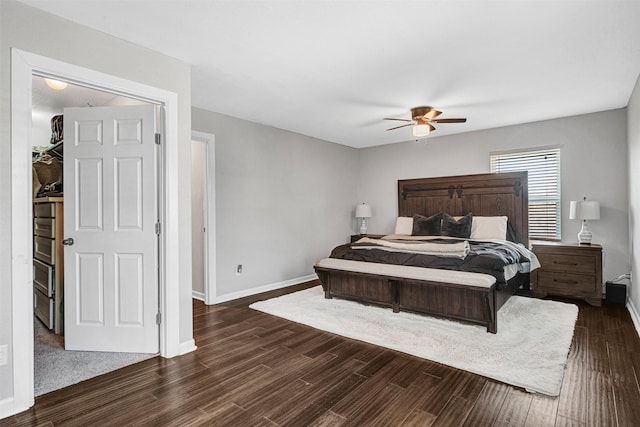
68	241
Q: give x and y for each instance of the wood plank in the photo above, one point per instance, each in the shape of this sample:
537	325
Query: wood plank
601	404
419	418
515	409
598	354
542	412
454	412
325	347
627	405
407	376
580	344
568	422
354	403
573	395
328	419
317	401
446	389
487	406
407	400
622	371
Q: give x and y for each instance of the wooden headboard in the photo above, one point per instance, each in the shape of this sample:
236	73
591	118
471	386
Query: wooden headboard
483	195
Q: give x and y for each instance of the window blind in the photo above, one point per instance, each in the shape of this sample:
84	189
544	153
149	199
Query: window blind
544	187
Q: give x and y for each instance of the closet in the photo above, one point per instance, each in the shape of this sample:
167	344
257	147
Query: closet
48	230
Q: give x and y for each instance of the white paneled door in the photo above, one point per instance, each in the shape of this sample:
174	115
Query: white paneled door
110	196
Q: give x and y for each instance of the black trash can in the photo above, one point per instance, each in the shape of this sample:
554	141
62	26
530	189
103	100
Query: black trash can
616	293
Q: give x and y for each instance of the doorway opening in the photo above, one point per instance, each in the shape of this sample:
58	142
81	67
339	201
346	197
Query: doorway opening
203	219
23	66
55	368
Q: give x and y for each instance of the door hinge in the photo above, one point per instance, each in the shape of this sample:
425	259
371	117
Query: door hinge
158	228
158	138
158	318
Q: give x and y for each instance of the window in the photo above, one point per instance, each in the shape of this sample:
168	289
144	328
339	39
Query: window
543	166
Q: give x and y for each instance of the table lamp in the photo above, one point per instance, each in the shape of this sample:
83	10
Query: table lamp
584	210
363	211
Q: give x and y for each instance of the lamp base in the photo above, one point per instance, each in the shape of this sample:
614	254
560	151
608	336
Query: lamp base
585	236
363	227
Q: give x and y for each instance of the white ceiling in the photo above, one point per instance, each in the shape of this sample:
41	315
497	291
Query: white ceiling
334	69
47	100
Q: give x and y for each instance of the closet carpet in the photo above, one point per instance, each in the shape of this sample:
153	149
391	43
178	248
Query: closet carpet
55	368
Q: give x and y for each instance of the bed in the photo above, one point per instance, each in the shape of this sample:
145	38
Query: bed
462	295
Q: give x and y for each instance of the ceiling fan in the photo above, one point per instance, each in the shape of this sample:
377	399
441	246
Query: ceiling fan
422	119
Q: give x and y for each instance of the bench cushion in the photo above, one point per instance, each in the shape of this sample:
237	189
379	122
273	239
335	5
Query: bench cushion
407	272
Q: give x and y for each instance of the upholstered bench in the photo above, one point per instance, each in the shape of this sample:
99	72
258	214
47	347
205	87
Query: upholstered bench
457	295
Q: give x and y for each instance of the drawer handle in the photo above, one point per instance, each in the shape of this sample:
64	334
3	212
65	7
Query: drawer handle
569	282
68	242
566	263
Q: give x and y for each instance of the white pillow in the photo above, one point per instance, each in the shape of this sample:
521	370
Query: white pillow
404	225
489	227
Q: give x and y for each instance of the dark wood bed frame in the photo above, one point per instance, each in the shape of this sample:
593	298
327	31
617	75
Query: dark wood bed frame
483	195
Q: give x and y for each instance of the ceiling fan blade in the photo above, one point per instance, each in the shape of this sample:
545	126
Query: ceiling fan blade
449	120
398	127
431	127
400	120
432	114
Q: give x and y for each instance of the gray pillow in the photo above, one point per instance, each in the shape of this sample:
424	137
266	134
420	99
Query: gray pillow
460	228
426	226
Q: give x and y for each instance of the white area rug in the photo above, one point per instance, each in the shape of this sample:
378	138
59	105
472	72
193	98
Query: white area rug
530	349
56	368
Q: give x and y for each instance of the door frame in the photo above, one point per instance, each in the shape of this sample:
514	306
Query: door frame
23	66
210	288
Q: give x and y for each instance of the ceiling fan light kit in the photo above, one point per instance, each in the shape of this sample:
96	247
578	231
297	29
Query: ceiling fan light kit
420	131
422	119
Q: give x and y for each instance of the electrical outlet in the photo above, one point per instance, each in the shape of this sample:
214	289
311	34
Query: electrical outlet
4	355
239	270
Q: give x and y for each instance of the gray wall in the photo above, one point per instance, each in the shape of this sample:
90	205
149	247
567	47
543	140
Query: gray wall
283	200
593	164
633	126
34	31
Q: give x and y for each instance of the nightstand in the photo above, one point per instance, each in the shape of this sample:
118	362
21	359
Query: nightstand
356	237
568	270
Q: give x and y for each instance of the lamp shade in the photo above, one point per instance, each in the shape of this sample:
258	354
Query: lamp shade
585	209
573	209
364	211
589	210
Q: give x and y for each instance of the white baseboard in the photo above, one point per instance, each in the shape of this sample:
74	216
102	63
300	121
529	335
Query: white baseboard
197	295
187	347
265	288
635	317
8	407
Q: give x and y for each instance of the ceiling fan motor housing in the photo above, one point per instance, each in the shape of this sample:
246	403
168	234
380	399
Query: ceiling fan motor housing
418	113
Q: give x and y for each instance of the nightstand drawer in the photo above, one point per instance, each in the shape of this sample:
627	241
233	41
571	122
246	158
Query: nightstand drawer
572	263
568	284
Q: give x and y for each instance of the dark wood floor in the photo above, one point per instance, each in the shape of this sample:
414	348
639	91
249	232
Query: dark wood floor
252	369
